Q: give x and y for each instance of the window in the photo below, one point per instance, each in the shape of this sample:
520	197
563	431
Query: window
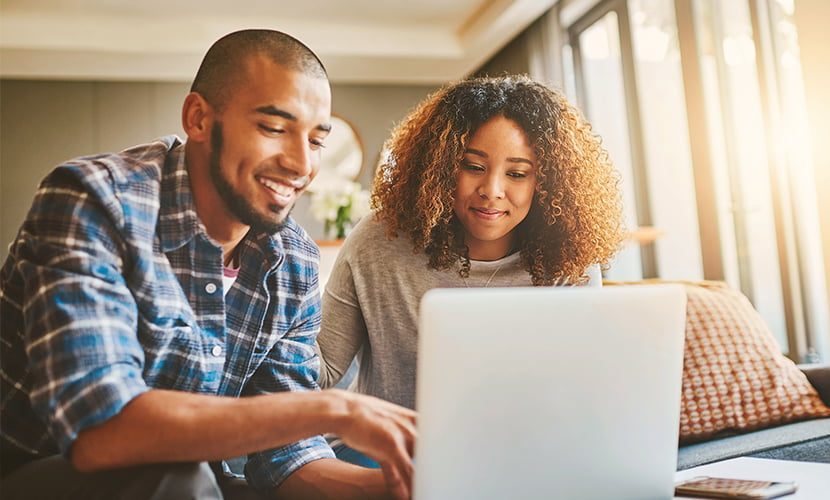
700	104
605	105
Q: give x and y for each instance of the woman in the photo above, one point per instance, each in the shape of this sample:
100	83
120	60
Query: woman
489	182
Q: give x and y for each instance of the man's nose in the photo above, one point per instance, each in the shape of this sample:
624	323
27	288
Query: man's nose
296	157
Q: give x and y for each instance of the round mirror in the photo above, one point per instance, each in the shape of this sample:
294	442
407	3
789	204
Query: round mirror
342	158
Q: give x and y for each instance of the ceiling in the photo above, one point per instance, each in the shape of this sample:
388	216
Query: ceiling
360	41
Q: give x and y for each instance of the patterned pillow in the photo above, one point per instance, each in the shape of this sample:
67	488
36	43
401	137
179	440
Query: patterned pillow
734	375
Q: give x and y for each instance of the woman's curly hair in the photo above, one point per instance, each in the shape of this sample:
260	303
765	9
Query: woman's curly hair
576	217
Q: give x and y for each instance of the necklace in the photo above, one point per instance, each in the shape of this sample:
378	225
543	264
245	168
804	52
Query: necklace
487	283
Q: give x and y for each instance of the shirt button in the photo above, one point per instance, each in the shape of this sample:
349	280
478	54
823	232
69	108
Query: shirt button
216	351
210	288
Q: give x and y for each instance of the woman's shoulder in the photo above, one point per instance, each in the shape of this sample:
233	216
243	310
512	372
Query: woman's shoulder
367	230
369	238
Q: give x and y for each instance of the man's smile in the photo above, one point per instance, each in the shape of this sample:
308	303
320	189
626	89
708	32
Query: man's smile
281	192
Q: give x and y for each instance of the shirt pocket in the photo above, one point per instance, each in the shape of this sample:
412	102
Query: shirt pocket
262	346
177	356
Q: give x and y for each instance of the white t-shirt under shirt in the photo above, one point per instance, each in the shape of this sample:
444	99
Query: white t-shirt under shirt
229	275
371	302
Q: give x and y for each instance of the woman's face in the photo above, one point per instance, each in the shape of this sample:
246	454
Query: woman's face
495	188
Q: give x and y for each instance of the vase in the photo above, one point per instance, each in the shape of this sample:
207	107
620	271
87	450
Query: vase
336	229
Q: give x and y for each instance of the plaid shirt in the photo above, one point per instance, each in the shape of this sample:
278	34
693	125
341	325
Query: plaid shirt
113	287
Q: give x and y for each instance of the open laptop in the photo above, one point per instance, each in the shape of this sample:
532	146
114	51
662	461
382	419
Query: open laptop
549	392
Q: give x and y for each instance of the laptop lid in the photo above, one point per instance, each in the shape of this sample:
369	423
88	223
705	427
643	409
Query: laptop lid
549	392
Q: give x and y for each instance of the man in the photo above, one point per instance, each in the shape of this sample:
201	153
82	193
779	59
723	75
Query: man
159	306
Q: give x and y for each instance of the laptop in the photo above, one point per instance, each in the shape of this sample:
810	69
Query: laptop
549	392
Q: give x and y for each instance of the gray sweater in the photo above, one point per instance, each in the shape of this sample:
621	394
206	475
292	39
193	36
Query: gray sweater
371	303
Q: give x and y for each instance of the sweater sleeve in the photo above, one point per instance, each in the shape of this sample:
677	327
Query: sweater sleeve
343	331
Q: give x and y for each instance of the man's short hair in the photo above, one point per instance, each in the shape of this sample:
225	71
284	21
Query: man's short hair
223	65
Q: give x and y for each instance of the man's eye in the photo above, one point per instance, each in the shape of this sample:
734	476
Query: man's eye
271	130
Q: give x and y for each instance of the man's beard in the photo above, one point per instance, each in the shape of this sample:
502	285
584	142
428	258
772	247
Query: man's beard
236	202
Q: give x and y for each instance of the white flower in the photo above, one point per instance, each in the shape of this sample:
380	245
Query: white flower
325	204
360	205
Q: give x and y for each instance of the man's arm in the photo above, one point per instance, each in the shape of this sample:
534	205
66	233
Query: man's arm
170	426
332	478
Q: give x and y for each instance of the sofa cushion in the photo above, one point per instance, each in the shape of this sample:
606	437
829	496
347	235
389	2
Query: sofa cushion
807	441
734	375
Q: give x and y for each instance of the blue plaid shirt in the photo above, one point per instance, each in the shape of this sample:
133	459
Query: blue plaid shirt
113	287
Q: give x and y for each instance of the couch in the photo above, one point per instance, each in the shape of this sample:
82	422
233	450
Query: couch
807	440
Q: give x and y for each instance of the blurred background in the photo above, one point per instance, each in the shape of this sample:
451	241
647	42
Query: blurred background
715	112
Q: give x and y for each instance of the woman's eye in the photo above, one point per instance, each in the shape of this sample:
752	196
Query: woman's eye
473	167
517	175
316	143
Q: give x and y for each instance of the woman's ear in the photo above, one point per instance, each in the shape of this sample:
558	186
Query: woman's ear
197	118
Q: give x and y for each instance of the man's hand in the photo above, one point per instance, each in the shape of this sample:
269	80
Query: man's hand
384	431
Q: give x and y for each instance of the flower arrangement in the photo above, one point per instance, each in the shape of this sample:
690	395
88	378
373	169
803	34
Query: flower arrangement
340	208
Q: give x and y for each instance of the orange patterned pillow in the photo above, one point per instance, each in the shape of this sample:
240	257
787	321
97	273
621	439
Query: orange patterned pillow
734	375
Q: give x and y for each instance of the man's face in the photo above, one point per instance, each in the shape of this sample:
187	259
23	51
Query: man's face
266	141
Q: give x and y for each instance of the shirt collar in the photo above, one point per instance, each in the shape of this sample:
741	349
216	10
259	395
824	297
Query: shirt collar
271	247
178	222
261	251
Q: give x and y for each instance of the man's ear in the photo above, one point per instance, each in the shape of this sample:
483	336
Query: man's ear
197	118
